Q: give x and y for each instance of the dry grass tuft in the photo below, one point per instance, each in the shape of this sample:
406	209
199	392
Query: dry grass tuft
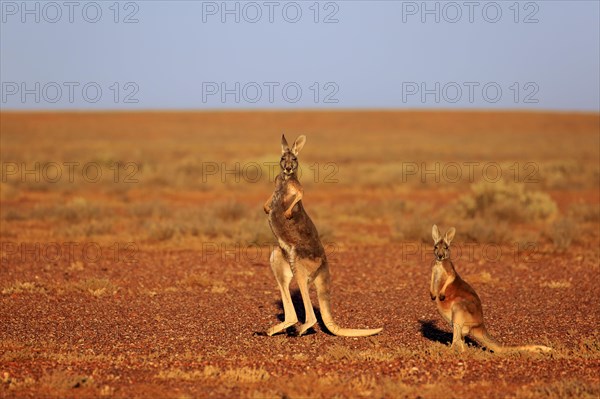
556	284
569	388
12	383
413	228
183	375
12	215
89	229
244	375
334	384
76	266
230	211
585	213
75	211
160	231
562	232
97	287
232	376
24	288
150	210
504	200
60	381
482	231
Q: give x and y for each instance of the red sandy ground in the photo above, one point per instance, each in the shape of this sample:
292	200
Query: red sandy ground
71	344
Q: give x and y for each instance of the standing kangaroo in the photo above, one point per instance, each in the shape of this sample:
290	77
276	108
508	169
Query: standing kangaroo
300	252
458	302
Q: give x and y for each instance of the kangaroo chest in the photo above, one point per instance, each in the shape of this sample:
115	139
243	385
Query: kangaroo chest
439	276
282	227
282	197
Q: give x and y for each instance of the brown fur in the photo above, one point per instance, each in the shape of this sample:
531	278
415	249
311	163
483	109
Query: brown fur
300	252
458	303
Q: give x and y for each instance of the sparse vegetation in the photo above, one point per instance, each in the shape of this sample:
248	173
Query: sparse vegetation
62	381
161	231
563	231
412	228
97	287
182	323
23	287
586	213
556	284
229	377
482	230
77	210
508	201
560	389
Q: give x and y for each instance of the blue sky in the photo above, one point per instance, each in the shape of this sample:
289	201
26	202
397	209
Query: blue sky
304	54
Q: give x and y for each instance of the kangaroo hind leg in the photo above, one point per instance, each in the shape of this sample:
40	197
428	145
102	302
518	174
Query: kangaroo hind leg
459	328
283	274
305	269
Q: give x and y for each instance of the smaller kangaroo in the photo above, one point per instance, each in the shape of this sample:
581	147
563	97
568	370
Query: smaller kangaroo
458	302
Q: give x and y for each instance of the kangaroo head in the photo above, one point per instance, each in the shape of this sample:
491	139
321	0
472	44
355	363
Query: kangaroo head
441	246
289	161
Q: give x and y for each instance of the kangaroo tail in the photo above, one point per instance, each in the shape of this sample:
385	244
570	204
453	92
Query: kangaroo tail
482	335
323	285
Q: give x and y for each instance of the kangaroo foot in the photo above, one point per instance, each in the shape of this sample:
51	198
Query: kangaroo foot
280	327
301	330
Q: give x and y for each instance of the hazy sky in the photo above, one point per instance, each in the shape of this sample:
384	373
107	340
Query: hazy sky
304	54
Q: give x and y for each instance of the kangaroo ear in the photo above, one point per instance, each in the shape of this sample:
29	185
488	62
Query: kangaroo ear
284	144
435	233
449	235
298	144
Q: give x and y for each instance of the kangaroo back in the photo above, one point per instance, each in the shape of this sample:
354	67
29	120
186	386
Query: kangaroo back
289	221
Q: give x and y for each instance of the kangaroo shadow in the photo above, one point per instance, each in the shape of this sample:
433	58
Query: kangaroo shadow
299	308
430	331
